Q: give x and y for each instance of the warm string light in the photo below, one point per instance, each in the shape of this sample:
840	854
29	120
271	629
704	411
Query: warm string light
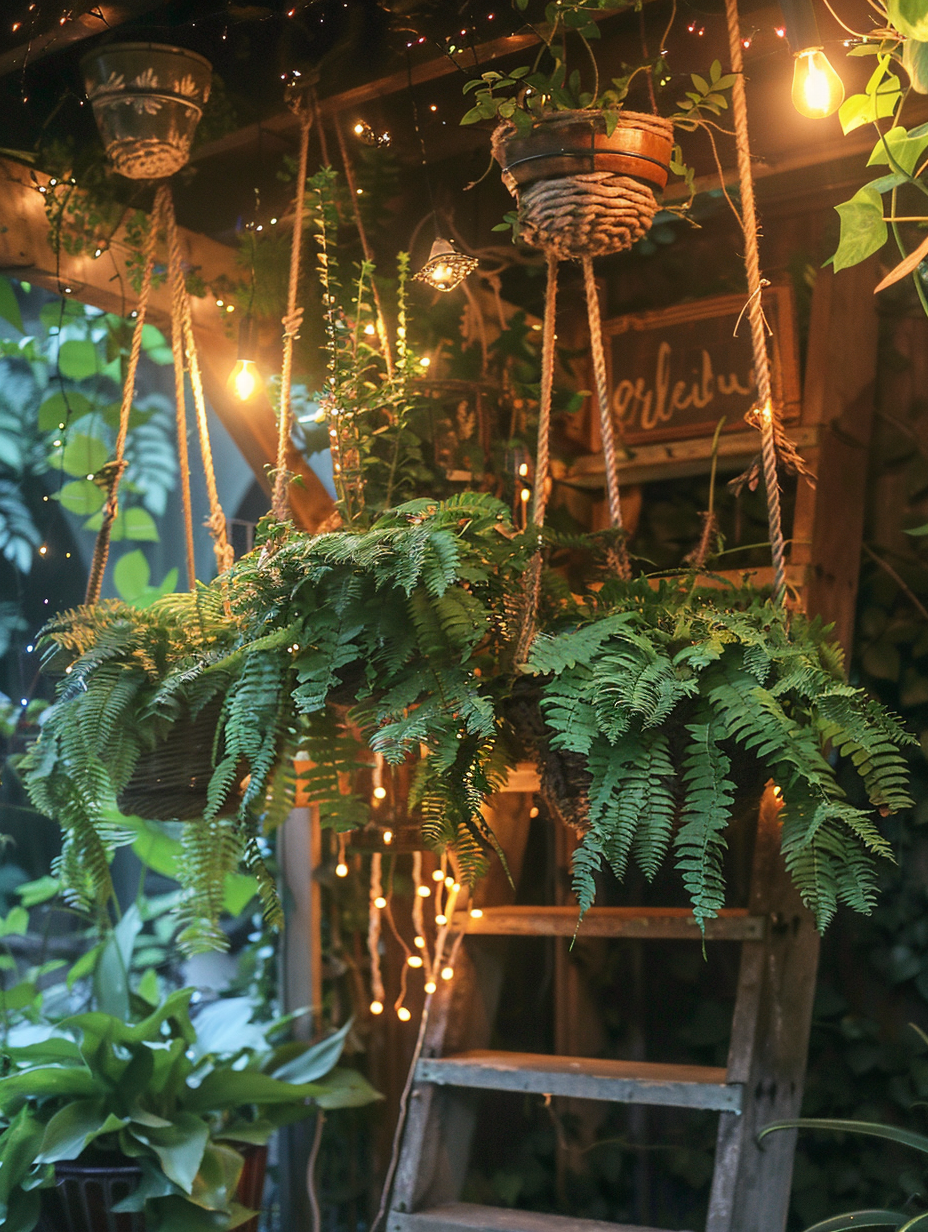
341	868
378	902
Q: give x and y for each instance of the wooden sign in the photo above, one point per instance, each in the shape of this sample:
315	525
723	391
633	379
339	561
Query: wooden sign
674	373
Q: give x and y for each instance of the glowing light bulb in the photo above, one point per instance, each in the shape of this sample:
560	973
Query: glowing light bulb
423	891
476	913
438	875
524	496
358	129
533	812
380	902
403	1014
447	973
376	1007
441	919
523	469
370	330
388	837
430	986
818	91
244	380
449	883
425	361
380	793
414	960
420	942
341	869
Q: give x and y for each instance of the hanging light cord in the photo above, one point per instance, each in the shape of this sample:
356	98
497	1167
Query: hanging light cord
766	412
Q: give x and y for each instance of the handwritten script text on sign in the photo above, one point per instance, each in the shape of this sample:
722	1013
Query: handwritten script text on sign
674	373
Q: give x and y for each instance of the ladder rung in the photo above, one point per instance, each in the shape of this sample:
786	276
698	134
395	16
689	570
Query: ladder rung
626	1082
467	1217
656	923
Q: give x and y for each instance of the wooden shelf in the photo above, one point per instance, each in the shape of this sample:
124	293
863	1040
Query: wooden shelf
654	923
468	1217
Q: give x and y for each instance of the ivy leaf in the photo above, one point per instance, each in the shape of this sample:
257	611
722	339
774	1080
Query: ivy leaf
915	63
63	408
77	359
901	147
879	101
9	305
131	575
82	497
83	455
863	231
910	17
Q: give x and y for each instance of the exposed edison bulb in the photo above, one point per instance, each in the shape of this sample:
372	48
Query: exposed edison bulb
244	380
380	902
376	1007
403	1014
430	987
818	91
341	869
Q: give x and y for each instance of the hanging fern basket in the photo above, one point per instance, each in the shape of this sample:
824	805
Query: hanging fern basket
584	191
170	782
147	100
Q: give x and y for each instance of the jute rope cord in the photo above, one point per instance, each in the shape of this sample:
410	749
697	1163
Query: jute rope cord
217	520
766	417
180	403
114	470
299	103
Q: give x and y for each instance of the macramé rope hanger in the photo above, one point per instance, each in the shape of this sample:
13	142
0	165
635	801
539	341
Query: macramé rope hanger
184	349
765	414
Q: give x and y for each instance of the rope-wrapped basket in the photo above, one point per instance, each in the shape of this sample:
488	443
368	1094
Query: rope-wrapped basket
584	192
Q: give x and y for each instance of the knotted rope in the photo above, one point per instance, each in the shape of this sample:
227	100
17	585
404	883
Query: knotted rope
112	473
766	417
299	103
181	309
180	404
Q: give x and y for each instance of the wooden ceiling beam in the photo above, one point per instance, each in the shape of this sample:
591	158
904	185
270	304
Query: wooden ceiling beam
25	252
104	16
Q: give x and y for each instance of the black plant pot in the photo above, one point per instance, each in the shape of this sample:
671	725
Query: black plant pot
85	1194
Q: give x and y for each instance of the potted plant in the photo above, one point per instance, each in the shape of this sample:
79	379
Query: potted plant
585	170
150	1118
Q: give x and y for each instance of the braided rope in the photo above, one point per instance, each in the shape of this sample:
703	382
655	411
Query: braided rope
607	431
291	322
217	521
101	549
767	413
532	586
180	402
593	214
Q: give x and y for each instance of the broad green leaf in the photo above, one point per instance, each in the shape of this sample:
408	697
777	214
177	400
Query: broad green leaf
879	101
345	1088
870	1129
863	231
15	923
859	1219
77	359
82	497
904	147
915	63
74	1127
910	17
215	1183
9	305
63	408
179	1147
131	575
18	997
32	893
85	964
48	1082
315	1061
111	972
18	1146
83	455
224	1027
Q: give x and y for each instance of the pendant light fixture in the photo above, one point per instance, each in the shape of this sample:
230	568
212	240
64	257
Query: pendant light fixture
245	379
817	90
446	267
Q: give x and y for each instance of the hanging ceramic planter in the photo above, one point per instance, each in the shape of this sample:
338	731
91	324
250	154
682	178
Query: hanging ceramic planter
584	192
147	100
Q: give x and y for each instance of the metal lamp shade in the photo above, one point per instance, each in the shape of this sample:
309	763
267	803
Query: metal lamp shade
147	99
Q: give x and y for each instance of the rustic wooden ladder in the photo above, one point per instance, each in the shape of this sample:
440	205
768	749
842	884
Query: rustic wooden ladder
761	1083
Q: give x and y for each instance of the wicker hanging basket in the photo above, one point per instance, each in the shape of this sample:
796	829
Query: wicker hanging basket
583	192
147	100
